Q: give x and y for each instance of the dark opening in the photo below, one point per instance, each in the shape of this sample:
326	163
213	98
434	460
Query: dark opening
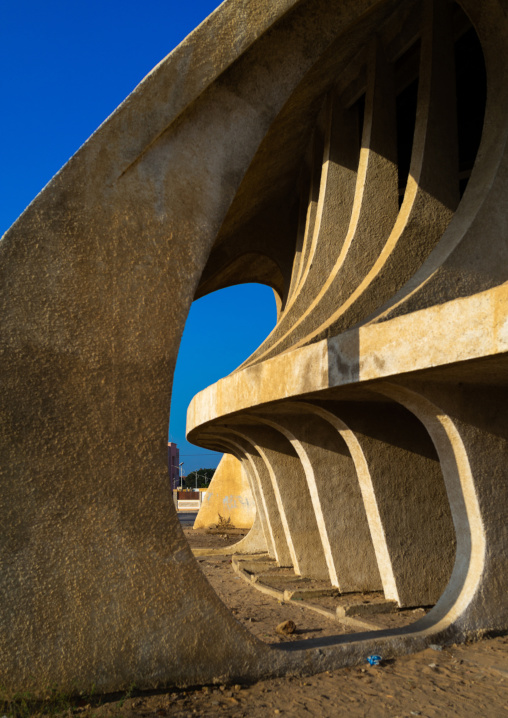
406	119
471	84
360	105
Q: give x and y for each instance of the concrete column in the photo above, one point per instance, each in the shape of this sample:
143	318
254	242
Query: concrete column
237	447
293	499
255	541
335	494
405	498
469	427
229	494
273	527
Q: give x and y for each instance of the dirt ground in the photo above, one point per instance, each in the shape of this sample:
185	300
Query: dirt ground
469	680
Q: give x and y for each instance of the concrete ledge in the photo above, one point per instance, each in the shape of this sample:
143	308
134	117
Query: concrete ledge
457	331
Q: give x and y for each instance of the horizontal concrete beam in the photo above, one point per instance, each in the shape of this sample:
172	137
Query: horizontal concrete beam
455	332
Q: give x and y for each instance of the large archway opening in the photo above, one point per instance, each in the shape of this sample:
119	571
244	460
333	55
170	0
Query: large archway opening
222	329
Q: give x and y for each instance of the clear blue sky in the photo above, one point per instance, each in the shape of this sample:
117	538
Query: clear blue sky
222	330
65	67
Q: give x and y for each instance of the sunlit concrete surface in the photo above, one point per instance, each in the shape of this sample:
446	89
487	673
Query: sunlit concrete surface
352	156
228	497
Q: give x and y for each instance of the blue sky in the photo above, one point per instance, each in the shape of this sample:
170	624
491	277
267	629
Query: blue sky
65	67
222	330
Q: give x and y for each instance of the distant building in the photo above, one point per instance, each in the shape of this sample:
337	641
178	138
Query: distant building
173	462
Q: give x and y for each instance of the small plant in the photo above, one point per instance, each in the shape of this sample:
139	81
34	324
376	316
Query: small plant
127	695
51	702
225	523
24	704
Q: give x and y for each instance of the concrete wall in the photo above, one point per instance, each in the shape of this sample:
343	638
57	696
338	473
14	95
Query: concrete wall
229	496
275	144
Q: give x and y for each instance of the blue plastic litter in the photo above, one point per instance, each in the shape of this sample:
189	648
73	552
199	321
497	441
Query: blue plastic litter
374	660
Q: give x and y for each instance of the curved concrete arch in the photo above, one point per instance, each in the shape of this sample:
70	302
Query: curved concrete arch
404	495
274	522
338	182
259	537
456	606
303	256
369	499
376	176
98	275
348	295
471	598
337	504
428	197
243	268
287	483
441	335
432	187
292	496
462	606
443	274
255	540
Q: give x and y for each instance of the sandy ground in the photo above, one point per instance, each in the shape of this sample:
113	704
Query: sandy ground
461	680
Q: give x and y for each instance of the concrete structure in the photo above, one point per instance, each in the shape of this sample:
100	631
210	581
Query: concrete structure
331	150
229	496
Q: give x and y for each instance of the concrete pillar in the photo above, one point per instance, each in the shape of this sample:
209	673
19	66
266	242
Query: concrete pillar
405	499
469	427
259	538
273	527
292	498
335	494
229	495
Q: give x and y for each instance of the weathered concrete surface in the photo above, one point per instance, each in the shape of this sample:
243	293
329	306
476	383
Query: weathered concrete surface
393	314
275	526
292	498
229	496
405	500
228	163
343	531
99	586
